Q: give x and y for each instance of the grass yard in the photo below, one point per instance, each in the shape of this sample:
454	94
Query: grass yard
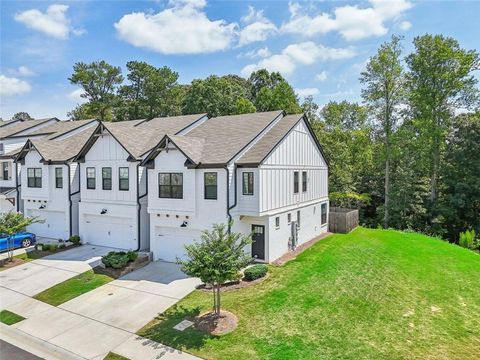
72	288
10	318
371	294
113	356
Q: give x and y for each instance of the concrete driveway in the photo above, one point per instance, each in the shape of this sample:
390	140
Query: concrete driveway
133	300
33	277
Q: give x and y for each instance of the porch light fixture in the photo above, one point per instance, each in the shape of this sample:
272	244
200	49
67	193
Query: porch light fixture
43	206
184	224
104	211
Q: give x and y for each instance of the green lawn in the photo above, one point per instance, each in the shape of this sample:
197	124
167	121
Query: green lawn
10	318
72	288
371	294
113	356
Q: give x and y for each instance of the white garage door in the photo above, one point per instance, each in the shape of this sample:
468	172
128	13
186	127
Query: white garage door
54	226
169	242
116	232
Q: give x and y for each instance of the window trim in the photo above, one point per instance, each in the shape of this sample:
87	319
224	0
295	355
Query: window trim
289	218
252	182
94	178
277	222
120	178
170	185
298	218
106	178
304	181
57	178
321	214
35	178
296	185
205	185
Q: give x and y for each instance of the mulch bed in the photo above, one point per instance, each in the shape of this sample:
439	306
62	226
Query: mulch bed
301	248
139	262
234	285
216	325
5	264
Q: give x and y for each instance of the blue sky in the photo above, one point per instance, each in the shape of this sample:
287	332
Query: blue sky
320	46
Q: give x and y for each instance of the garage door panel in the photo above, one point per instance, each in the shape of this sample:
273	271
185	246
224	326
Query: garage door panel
169	243
111	231
53	225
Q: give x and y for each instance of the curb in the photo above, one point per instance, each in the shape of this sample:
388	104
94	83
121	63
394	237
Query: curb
35	345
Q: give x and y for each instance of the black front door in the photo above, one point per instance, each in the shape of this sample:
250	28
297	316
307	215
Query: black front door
258	245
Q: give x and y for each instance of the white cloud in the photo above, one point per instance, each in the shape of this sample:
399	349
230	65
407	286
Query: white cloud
305	53
13	86
351	21
322	76
76	96
259	28
405	25
307	92
22	71
53	22
256	53
182	28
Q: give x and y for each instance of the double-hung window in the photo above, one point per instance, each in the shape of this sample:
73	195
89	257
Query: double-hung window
5	171
304	181
90	178
34	177
58	177
123	178
295	182
210	181
107	178
324	213
170	185
298	218
247	183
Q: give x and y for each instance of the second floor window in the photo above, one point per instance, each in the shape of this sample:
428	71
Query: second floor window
90	178
304	181
298	218
5	171
247	184
170	185
107	178
123	178
324	213
210	179
58	177
34	177
295	182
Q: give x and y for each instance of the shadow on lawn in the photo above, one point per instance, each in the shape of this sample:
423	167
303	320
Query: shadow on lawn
163	331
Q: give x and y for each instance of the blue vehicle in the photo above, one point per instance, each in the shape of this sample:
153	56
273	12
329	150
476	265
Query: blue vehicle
21	239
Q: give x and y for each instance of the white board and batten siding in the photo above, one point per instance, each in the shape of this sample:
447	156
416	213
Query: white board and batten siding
296	152
117	227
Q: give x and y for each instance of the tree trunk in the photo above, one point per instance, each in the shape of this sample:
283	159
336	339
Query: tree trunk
218	300
433	179
386	214
214	291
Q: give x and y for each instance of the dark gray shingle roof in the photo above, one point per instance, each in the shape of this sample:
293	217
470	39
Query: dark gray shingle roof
20	126
266	144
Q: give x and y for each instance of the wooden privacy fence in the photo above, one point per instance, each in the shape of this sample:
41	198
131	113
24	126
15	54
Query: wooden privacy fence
342	220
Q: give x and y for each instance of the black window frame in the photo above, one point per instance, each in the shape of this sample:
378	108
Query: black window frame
34	181
170	186
298	218
6	171
106	178
250	182
277	222
210	195
289	218
323	215
93	179
58	179
123	180
296	185
304	181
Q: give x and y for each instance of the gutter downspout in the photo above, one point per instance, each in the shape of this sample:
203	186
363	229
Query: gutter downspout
70	194
139	206
17	204
228	194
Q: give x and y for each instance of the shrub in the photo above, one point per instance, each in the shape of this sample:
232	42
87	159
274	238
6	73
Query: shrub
45	247
61	246
467	239
75	239
119	259
53	247
255	272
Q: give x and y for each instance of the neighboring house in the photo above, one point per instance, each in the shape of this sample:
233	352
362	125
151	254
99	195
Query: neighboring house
50	178
265	171
13	135
113	209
